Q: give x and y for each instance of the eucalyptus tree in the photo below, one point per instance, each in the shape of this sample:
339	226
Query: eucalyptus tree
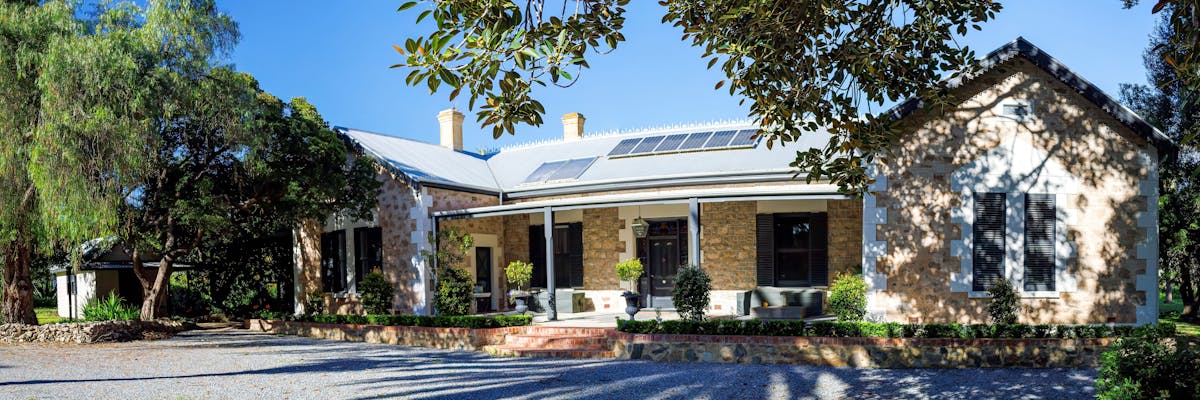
71	128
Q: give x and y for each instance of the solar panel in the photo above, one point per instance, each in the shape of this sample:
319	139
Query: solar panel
720	139
624	147
572	169
545	170
671	143
744	138
695	141
647	145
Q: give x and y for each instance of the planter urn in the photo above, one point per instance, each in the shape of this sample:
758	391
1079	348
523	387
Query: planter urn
631	304
520	299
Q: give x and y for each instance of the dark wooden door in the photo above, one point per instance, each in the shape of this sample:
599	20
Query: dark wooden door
664	263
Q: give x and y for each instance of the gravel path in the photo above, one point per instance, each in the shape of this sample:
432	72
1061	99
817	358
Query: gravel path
239	365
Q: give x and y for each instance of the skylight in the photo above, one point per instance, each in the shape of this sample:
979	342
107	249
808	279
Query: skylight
560	170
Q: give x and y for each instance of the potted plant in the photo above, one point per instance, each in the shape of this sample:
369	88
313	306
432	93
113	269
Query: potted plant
519	273
629	271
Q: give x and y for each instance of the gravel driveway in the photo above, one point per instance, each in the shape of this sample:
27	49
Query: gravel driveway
234	364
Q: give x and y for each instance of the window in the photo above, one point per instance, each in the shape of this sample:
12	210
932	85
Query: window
987	255
368	251
792	250
1020	110
1039	242
333	261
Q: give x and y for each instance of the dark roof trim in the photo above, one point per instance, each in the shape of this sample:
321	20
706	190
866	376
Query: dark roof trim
1022	47
405	177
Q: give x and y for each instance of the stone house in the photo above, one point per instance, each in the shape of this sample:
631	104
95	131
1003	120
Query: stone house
1034	175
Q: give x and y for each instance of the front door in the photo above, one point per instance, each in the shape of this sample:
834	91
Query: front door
664	263
483	279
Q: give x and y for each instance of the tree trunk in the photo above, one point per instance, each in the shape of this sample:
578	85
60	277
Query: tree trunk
17	307
154	302
1187	293
1170	292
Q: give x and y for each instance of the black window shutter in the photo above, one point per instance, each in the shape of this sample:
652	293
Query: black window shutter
987	253
575	236
537	255
333	261
765	246
1039	242
819	250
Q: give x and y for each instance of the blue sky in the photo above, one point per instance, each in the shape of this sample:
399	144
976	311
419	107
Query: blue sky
337	55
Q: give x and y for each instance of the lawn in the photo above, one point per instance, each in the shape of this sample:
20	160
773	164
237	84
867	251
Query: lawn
47	315
1169	312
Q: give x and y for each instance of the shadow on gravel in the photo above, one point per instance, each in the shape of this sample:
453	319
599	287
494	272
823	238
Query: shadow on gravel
384	371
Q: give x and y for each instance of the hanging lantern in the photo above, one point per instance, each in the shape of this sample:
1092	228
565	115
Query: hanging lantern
639	228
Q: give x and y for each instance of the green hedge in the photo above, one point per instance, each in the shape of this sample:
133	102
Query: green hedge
890	330
441	321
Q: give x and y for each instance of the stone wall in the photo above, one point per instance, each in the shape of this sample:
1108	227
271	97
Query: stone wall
845	237
89	332
727	242
863	352
915	271
440	338
819	351
602	248
397	207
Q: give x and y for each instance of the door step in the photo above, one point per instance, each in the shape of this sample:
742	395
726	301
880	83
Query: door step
663	302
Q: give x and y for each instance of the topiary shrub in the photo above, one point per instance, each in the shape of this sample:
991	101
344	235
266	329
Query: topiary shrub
1003	307
848	297
111	308
454	291
1149	368
376	293
692	286
629	271
519	273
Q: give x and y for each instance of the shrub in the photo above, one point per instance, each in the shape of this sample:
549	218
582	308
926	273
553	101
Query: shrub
314	302
439	321
1003	307
1149	367
890	329
454	291
848	297
519	273
376	293
111	308
690	296
629	271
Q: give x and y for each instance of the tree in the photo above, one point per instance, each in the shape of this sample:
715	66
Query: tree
70	128
1181	49
801	65
1170	104
221	181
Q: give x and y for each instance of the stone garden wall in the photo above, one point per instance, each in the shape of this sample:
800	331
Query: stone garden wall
419	336
89	332
863	352
821	351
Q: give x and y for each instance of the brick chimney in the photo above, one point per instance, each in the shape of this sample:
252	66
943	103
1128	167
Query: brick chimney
450	123
573	126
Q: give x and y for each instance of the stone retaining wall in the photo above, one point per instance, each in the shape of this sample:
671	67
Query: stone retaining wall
863	352
821	351
419	336
89	332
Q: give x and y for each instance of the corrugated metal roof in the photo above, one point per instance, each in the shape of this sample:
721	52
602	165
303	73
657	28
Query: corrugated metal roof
425	163
508	170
